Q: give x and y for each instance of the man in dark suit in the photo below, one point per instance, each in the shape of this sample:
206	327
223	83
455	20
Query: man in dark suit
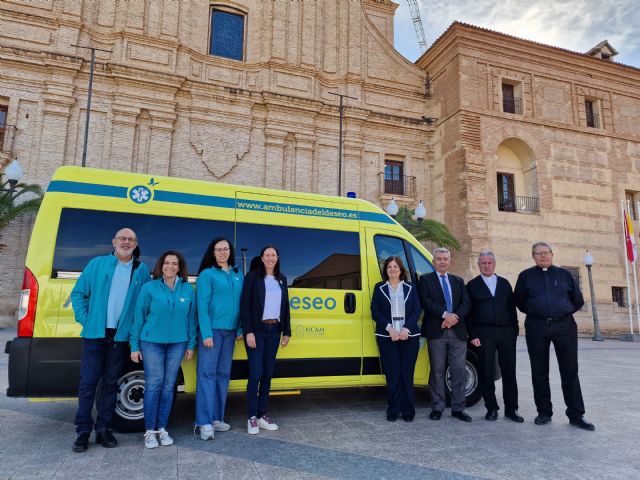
446	303
549	296
493	326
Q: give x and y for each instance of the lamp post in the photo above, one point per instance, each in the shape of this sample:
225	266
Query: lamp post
420	212
89	91
341	110
14	173
597	335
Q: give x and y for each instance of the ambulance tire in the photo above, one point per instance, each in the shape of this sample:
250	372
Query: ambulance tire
472	391
129	414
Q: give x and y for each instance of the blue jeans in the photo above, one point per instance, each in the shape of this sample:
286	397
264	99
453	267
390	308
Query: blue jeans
102	359
214	372
262	359
161	366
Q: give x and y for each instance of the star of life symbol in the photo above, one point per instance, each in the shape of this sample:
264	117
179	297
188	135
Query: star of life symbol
140	194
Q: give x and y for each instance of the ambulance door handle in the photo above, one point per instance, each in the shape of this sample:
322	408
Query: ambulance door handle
349	302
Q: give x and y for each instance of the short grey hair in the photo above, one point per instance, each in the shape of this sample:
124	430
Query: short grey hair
486	253
540	244
441	250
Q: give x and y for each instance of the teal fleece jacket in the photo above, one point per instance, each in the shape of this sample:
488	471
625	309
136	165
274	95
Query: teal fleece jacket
219	300
90	296
163	315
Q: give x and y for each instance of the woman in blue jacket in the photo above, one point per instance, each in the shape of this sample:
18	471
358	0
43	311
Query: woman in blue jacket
265	316
395	307
219	287
163	332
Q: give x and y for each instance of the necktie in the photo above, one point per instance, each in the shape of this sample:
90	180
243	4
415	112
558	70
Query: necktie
447	294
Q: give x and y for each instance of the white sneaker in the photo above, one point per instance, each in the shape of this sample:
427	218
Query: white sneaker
165	438
150	440
206	432
265	423
219	426
252	426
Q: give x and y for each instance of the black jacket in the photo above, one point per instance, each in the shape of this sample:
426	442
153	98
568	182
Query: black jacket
551	293
489	310
252	304
434	305
381	308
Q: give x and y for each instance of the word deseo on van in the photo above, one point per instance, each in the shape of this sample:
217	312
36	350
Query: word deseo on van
315	303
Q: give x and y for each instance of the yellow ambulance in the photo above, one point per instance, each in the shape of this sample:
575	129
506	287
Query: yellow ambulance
331	250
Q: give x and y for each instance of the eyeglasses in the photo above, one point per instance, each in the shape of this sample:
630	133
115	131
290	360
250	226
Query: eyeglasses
221	250
126	239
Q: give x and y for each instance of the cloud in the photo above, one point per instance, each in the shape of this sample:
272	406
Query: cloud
572	24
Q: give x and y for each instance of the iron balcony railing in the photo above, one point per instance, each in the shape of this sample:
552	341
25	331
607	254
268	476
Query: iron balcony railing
593	120
518	204
392	184
512	105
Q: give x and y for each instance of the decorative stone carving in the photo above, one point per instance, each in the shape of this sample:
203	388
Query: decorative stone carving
220	147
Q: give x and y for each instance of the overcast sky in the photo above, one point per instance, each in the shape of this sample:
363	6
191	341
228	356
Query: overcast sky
575	25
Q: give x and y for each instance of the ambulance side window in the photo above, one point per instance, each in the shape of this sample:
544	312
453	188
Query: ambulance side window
84	234
310	258
417	265
388	246
421	265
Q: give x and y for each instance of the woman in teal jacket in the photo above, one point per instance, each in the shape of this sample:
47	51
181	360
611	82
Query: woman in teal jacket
163	332
219	289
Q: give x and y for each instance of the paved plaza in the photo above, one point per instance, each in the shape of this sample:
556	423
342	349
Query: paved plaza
344	434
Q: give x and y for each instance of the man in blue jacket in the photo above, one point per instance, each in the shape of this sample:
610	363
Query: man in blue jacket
103	301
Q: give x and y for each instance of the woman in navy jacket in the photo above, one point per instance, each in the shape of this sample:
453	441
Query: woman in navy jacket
395	307
265	319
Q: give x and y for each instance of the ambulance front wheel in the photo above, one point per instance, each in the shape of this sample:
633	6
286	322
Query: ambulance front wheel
472	390
129	414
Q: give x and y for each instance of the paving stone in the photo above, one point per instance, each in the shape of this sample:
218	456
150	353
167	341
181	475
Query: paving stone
323	435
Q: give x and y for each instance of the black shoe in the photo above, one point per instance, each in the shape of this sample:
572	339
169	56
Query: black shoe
542	419
492	414
391	418
407	418
435	415
513	415
106	439
582	423
461	416
82	442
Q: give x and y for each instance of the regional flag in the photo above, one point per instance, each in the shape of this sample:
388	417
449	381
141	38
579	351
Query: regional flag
629	238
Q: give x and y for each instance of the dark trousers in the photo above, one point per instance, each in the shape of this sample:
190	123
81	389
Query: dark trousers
564	336
398	364
500	339
447	349
262	360
102	359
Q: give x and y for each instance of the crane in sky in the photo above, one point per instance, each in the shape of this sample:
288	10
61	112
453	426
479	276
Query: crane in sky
417	24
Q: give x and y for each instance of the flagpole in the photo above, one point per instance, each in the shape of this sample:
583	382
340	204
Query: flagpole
635	266
626	265
635	282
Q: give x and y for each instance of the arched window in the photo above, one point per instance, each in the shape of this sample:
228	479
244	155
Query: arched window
516	177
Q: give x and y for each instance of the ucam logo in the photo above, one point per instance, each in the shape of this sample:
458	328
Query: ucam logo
312	303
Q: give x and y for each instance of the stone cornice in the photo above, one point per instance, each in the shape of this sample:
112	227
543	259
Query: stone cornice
476	38
386	6
540	123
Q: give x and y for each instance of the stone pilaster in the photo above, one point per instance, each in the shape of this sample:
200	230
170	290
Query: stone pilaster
305	145
55	117
122	138
161	141
274	158
352	180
